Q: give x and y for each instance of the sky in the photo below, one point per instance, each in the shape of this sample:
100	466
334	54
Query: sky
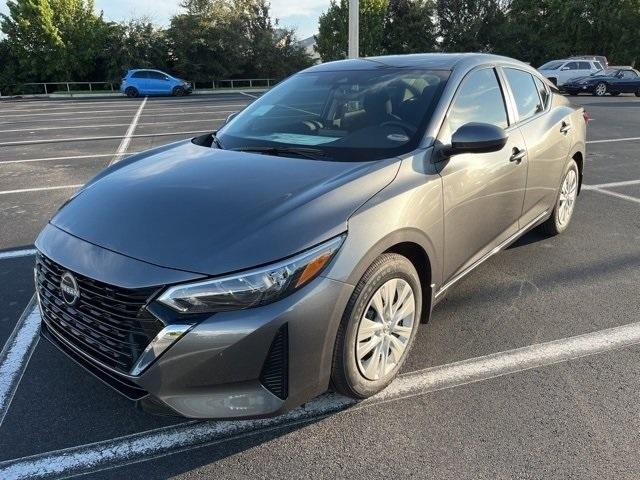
301	14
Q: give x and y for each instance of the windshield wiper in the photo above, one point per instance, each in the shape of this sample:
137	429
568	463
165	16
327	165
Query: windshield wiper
312	153
216	141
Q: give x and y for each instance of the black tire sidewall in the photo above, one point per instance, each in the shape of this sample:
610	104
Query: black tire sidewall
178	92
131	92
398	267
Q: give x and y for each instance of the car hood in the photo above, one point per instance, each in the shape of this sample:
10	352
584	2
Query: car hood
214	211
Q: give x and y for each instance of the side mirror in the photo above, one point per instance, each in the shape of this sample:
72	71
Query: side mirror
564	68
477	138
230	117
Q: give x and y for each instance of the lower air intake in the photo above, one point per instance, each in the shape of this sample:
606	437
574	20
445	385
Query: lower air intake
275	371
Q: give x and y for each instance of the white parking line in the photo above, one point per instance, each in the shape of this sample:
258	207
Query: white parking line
38	189
17	253
611	193
16	354
609	140
71	157
150	111
612	184
108	117
126	140
249	95
76	127
89	139
135	448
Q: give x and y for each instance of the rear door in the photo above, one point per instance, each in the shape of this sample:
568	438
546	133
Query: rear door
140	81
483	193
629	82
547	132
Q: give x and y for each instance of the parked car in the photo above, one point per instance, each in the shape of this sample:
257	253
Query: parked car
560	71
601	59
153	82
240	273
612	80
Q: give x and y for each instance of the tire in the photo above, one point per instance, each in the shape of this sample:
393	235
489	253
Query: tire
178	92
637	92
600	90
556	224
355	372
131	92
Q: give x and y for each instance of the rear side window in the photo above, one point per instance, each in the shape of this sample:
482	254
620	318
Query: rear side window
479	100
157	76
525	92
139	75
628	74
542	90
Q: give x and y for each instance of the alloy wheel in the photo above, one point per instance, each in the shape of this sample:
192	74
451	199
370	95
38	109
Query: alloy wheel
567	200
385	329
601	89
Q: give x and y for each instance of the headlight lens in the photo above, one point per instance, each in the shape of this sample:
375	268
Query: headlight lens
254	287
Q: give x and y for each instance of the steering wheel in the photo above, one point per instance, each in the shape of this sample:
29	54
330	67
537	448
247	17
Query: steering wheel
406	126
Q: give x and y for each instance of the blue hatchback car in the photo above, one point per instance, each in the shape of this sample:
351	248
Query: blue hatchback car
153	82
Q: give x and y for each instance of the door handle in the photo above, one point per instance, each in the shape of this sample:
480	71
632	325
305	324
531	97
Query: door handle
565	128
517	155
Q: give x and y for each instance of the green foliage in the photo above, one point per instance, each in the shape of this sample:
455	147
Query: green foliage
469	25
386	27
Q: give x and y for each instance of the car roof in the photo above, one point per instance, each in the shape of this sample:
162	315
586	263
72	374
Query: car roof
432	61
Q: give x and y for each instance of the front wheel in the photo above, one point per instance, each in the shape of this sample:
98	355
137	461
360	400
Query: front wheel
565	202
378	327
131	92
178	92
600	90
637	92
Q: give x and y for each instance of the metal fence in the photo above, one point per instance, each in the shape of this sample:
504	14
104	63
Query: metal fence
48	88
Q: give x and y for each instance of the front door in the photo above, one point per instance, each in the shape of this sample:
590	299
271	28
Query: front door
483	193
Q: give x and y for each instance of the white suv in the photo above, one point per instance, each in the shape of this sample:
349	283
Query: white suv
560	71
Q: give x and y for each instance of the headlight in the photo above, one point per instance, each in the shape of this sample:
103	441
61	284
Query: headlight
254	287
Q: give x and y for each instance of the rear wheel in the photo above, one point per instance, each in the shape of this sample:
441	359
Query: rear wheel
178	92
131	92
638	92
565	202
600	90
377	328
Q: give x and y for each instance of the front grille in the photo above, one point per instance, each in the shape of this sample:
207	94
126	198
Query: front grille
107	323
275	371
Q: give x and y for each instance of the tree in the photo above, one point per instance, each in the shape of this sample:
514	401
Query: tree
409	27
332	39
470	25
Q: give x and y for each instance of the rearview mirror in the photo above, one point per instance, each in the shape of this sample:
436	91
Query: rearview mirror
477	138
231	116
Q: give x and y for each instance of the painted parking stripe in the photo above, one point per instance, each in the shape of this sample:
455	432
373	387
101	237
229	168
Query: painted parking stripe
126	140
76	127
39	189
136	447
195	107
610	140
613	184
90	139
611	193
69	157
16	354
26	252
107	117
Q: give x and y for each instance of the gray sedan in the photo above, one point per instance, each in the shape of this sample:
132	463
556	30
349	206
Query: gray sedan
299	248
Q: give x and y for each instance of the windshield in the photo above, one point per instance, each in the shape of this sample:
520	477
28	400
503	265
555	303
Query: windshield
553	65
609	72
344	115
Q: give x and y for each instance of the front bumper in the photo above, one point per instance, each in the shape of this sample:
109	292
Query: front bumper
578	87
255	362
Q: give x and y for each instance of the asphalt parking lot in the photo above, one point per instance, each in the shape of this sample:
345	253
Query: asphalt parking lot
528	369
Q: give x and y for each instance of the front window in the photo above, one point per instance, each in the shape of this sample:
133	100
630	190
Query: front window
353	115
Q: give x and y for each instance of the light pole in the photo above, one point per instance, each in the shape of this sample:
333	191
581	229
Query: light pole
353	28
